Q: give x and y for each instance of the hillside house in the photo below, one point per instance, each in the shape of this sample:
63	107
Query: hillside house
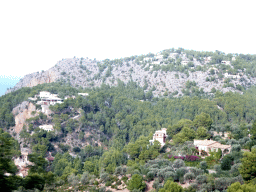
46	127
211	146
83	94
160	135
147	59
67	97
226	75
48	99
225	62
22	162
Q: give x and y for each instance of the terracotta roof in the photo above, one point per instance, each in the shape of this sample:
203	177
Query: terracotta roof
219	146
50	158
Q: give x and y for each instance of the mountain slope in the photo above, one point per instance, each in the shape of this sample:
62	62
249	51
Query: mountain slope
167	72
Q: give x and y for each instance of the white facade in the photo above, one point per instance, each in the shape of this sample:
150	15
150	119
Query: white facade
43	94
210	146
160	135
83	94
226	75
46	127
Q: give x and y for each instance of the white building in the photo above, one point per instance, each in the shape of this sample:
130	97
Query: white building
22	162
44	94
160	135
226	75
83	94
211	146
46	127
49	99
225	62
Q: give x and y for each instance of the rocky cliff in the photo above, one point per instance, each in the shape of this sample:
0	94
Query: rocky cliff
21	113
168	75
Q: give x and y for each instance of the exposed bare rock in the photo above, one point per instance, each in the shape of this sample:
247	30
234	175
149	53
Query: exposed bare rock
21	113
91	73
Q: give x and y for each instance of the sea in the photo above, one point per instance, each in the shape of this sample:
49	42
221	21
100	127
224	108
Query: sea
7	82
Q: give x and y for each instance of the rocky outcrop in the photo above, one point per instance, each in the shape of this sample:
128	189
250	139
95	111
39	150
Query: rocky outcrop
91	73
34	79
21	113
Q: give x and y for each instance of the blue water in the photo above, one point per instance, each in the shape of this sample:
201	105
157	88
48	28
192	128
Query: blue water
7	82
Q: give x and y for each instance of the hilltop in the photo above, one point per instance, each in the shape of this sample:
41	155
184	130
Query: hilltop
169	72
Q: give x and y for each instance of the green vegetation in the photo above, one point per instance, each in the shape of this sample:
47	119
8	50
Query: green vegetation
111	140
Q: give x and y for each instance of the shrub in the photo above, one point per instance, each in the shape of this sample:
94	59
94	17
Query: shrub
200	179
203	165
236	148
226	162
235	169
178	163
104	177
189	176
124	178
151	175
73	180
108	183
180	173
157	184
192	158
85	178
222	183
136	182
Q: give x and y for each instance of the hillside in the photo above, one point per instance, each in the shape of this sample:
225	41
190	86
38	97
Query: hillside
103	126
169	72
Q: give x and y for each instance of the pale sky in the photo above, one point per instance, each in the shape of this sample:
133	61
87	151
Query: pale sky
35	35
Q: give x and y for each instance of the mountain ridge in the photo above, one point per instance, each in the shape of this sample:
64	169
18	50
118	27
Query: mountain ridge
170	72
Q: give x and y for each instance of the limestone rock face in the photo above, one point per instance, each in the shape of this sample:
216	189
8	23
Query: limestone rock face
84	72
34	79
21	113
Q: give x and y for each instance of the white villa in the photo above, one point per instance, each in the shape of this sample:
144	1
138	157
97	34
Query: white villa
46	127
83	94
160	135
226	75
48	99
210	146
